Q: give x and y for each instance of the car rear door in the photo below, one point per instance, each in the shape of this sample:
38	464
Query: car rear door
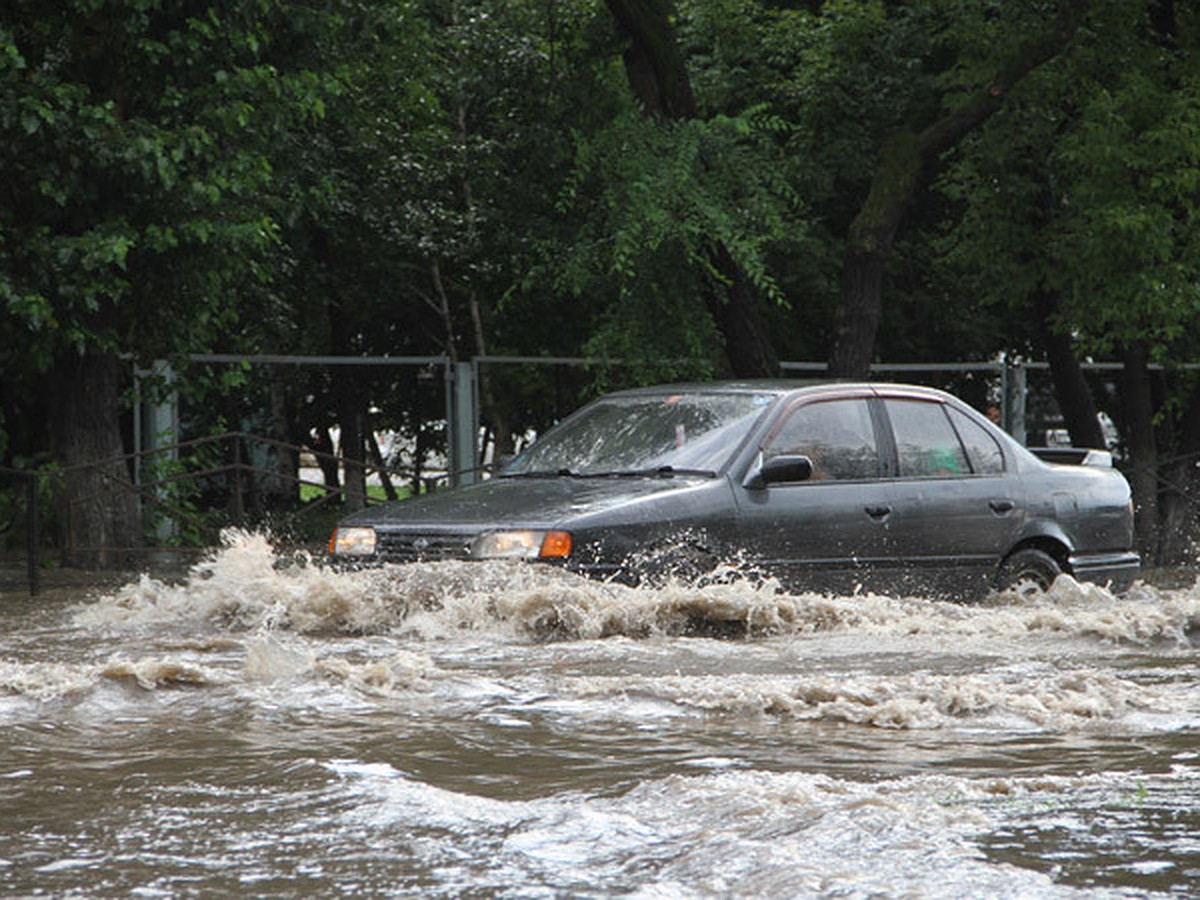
955	507
828	532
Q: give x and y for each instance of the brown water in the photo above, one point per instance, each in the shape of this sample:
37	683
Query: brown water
274	729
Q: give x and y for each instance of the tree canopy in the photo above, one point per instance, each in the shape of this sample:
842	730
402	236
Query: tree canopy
696	187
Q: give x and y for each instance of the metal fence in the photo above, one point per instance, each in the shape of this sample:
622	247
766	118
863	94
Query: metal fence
196	489
190	489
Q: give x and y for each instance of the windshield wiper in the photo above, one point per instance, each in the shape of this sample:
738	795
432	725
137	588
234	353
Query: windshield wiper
669	471
651	472
544	473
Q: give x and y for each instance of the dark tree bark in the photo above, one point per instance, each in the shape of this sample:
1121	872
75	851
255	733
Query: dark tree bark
287	459
376	454
1180	497
352	413
1071	388
324	450
905	161
655	67
1137	411
348	396
480	312
739	318
659	79
97	512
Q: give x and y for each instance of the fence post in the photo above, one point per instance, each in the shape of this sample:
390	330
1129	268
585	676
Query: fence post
34	538
464	424
1016	391
162	432
238	508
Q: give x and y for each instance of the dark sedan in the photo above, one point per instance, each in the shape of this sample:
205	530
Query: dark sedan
831	488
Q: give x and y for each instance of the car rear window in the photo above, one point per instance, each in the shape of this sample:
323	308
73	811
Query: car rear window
926	442
982	449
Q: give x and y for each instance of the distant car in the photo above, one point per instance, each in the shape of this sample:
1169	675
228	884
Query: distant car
828	488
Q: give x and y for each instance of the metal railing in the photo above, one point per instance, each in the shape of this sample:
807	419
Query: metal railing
234	475
235	487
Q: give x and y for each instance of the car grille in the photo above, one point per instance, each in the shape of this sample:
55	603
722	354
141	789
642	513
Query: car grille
419	546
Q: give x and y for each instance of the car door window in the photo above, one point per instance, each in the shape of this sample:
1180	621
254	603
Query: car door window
982	449
926	442
837	435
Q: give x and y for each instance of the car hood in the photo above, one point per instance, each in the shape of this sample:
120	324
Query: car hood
524	502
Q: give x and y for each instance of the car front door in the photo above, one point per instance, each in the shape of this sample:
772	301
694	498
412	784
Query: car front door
826	532
955	509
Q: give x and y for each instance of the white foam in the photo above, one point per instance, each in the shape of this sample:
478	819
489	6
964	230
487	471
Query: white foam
772	833
245	586
1001	699
44	681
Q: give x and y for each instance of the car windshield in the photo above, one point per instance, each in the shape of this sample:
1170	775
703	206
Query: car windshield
645	434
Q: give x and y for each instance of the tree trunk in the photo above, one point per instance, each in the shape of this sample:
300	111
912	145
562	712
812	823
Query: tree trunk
904	163
1137	407
1180	498
420	451
479	313
659	79
385	480
97	510
351	406
1071	388
287	459
653	64
324	451
737	313
856	320
351	411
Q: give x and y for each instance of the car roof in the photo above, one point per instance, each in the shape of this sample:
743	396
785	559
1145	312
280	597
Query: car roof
783	386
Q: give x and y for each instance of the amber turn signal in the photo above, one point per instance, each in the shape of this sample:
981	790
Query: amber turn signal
556	545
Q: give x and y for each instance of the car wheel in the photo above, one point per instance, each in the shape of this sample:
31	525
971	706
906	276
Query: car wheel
1028	572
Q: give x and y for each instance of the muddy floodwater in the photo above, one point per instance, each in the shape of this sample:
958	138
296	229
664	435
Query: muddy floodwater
266	727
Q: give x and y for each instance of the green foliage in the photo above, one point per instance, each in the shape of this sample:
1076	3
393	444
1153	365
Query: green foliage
136	157
471	176
1128	238
16	495
654	200
1085	185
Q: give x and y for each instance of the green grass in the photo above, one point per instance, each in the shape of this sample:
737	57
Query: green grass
310	492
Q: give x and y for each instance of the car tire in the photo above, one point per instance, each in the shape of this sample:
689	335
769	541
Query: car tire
1028	572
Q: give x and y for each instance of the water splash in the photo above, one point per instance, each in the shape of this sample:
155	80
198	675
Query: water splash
155	672
774	833
44	681
1010	699
246	586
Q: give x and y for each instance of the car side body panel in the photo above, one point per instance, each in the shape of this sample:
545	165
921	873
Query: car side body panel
889	514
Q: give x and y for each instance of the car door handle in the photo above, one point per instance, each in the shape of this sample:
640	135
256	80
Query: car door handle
878	511
1000	507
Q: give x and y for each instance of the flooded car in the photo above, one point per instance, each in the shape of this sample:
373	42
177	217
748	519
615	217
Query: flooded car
827	488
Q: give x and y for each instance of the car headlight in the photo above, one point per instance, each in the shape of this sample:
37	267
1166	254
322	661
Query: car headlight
353	541
522	544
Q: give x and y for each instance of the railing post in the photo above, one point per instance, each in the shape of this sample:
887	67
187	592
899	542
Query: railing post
162	434
1016	392
238	508
464	424
34	538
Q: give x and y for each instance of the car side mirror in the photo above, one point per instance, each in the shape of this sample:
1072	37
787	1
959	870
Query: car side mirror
783	468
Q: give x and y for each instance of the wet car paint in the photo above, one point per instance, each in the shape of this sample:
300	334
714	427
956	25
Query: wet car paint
885	532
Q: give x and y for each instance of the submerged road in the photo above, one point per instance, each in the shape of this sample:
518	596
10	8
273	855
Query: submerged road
281	730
